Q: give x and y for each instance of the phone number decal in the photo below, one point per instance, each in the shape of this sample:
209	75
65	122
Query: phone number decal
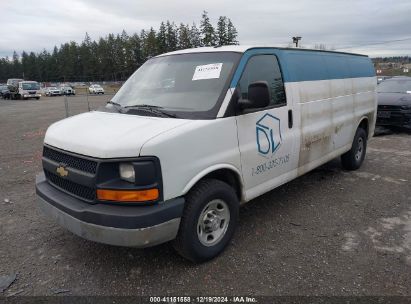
271	164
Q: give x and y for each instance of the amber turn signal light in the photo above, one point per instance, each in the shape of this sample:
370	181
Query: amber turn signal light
128	195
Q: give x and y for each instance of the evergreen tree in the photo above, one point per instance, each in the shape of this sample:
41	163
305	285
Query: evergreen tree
231	33
222	31
87	58
207	31
162	38
54	64
184	41
171	36
115	56
25	63
150	44
195	36
16	64
136	56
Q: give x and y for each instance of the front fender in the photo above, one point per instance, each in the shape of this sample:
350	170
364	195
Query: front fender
212	169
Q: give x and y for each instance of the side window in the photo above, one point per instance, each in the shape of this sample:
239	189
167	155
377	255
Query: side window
264	68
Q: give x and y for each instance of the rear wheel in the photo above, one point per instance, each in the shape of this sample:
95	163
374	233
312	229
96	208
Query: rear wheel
353	159
208	222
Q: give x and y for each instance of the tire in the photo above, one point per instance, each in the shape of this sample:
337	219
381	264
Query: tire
213	201
353	159
37	98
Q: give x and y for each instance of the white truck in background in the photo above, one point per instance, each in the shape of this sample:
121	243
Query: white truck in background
23	89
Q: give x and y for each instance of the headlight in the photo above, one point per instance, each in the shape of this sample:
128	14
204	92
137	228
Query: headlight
127	172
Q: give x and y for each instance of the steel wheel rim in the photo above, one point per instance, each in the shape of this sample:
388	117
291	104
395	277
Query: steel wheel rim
360	149
213	222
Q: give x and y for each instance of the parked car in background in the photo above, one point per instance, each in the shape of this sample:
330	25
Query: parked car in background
394	102
29	89
52	91
96	89
13	87
14	81
4	92
67	90
23	89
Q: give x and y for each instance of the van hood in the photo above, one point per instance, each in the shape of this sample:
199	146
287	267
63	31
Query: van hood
394	99
107	135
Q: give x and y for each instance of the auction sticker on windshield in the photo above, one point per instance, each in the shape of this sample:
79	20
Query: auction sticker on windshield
208	71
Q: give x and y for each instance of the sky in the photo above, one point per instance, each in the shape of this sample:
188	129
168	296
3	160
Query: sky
371	27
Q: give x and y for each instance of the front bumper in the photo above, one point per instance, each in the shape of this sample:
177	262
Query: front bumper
32	95
400	118
130	226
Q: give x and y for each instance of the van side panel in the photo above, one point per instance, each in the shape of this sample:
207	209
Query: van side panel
332	93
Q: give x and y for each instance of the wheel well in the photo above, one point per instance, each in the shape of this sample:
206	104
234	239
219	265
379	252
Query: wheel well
364	125
228	176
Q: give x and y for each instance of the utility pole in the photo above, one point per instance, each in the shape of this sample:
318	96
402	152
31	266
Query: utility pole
296	39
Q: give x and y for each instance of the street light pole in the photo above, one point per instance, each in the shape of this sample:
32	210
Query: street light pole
296	39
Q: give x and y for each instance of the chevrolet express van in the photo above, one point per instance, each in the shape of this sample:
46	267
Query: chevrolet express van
193	134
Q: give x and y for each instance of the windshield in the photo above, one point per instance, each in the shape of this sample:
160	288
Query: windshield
31	86
186	83
394	86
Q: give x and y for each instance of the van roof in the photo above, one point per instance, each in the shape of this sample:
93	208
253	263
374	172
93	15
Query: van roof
243	48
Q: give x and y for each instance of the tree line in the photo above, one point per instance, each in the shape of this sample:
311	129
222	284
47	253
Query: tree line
396	59
115	57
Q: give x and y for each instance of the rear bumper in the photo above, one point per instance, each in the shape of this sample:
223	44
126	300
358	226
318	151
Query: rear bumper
130	226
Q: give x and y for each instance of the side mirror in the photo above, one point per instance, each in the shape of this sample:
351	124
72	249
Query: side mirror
258	96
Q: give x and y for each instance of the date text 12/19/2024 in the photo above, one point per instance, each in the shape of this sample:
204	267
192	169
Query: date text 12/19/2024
203	299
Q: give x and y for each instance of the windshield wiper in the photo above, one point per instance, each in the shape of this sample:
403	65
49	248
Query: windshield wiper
152	109
116	105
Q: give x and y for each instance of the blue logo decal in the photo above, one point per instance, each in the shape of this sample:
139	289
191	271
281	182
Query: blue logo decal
268	134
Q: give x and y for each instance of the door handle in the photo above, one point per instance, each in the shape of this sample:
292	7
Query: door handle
290	119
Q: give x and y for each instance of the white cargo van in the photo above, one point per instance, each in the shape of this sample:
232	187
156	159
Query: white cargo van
195	133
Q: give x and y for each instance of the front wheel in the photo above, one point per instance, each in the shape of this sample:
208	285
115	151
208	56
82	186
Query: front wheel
353	159
208	222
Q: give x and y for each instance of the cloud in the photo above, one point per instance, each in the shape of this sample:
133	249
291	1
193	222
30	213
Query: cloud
353	25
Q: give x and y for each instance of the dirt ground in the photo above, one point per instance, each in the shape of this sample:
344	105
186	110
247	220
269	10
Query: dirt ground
330	232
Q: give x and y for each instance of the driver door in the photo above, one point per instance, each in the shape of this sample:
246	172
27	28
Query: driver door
266	136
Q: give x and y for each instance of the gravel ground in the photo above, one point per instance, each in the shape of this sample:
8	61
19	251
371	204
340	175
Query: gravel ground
329	232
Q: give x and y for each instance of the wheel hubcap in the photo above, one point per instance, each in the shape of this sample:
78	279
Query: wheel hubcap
360	149
213	222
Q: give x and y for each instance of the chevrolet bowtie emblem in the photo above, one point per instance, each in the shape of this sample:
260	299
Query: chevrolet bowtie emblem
62	171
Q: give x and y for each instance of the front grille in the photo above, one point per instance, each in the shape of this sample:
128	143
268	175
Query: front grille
78	163
78	190
388	108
